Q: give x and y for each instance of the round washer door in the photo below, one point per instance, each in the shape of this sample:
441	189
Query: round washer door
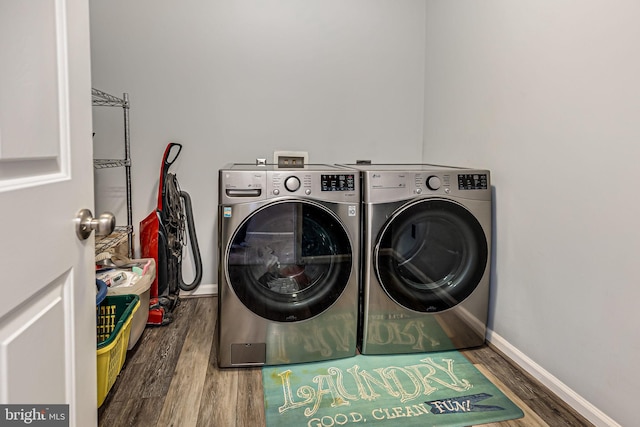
430	255
289	261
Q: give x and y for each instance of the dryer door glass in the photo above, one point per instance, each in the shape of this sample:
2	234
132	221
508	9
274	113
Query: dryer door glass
289	261
431	255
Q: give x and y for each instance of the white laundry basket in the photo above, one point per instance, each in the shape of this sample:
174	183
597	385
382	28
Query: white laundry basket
142	288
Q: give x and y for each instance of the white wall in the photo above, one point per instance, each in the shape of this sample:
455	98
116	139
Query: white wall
236	80
546	94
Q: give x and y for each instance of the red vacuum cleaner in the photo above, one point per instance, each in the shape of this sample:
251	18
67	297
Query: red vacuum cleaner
163	236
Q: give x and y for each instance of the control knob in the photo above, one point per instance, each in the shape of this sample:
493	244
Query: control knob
433	183
292	183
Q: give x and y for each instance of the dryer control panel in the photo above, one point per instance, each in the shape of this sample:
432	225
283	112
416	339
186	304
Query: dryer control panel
387	186
473	181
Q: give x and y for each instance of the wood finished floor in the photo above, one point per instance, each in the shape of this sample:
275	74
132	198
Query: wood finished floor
171	378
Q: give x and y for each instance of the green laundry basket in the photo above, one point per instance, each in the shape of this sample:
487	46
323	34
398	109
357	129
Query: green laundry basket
112	331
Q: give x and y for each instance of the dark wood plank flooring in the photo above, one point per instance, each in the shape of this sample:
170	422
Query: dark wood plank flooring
171	378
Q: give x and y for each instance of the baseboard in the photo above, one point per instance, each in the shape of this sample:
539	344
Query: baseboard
573	399
207	289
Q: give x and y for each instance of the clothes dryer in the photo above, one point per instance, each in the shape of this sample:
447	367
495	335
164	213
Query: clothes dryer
426	245
288	275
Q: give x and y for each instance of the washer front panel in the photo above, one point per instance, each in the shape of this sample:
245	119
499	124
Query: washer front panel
288	257
289	261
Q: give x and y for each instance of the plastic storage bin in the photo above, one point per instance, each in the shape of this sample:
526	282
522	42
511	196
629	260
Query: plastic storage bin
142	288
113	329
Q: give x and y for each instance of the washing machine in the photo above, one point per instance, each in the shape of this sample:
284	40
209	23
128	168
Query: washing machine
288	275
426	245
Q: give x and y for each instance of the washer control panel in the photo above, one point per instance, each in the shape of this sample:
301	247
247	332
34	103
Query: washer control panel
235	185
326	186
239	183
338	182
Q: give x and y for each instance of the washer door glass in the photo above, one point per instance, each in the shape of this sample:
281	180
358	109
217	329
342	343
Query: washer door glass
289	261
431	255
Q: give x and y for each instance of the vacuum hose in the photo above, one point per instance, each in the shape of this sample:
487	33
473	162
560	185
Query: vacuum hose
177	211
194	247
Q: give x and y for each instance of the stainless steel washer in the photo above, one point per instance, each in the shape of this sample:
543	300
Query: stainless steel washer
288	276
426	245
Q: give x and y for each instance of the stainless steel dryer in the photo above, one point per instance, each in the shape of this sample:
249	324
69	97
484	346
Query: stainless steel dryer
426	245
288	275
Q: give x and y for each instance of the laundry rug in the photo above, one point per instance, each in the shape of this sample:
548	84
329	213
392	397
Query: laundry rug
427	389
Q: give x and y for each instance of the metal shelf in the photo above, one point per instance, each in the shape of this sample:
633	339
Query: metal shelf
98	99
119	236
110	163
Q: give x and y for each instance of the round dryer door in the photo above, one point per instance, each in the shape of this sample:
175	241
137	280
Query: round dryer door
431	255
289	261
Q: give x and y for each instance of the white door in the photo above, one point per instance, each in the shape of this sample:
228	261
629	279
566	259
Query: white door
47	284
